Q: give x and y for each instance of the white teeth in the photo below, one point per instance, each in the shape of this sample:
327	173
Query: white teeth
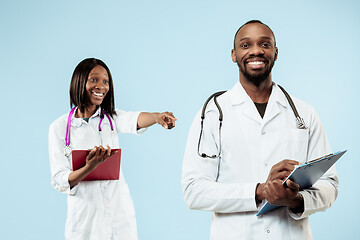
98	94
255	63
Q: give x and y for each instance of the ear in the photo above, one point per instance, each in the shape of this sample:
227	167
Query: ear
276	53
233	55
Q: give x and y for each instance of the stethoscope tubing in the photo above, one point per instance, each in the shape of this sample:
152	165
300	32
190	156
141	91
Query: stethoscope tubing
299	121
67	148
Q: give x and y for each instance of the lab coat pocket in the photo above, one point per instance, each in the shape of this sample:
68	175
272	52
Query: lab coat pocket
295	144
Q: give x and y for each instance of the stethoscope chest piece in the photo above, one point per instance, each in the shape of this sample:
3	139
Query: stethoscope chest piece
67	150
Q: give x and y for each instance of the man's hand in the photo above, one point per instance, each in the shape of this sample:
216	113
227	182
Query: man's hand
278	194
275	192
282	170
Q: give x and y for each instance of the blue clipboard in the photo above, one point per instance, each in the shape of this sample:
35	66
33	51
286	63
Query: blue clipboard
306	175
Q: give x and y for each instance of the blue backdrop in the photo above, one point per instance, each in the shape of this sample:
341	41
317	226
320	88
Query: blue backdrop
164	56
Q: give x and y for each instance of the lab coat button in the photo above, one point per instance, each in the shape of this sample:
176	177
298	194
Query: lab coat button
263	133
266	164
268	231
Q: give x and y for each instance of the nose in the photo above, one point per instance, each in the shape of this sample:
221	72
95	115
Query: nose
256	50
100	85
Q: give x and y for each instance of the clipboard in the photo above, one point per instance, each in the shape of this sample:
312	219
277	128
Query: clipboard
107	170
306	175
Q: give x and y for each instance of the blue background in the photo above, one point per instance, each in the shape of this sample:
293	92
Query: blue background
164	55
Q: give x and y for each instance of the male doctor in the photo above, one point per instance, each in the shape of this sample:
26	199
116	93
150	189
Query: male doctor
259	143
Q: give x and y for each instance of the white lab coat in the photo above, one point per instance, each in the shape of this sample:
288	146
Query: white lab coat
97	210
250	147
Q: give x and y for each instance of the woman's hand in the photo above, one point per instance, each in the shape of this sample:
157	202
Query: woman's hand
165	119
96	156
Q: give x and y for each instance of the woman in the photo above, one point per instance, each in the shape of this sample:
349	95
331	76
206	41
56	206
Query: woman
96	209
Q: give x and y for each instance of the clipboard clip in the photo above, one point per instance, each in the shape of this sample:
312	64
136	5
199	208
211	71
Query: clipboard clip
326	156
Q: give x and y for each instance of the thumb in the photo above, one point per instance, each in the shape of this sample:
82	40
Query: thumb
162	122
292	185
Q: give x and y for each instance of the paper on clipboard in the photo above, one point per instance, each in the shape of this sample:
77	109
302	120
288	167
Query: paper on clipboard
107	170
307	174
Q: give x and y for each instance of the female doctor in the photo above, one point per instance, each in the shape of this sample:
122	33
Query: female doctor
96	209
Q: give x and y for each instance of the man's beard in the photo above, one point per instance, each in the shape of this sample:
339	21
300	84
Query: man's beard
256	78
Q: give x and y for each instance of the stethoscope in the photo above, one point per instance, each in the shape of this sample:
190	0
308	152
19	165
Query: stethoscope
67	147
299	121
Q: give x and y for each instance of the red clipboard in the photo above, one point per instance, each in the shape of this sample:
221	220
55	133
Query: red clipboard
107	170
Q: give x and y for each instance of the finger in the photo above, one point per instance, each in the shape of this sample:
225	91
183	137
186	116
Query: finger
287	163
284	166
99	151
113	152
170	120
170	113
170	117
102	149
292	185
108	151
102	153
91	154
170	123
281	175
270	191
162	122
292	162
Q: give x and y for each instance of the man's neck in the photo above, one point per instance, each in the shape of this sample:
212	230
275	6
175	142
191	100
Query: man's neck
258	94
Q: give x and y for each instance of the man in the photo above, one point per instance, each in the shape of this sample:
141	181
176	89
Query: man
259	144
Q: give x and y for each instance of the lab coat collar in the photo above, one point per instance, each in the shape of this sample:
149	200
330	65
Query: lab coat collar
239	96
77	122
279	96
277	100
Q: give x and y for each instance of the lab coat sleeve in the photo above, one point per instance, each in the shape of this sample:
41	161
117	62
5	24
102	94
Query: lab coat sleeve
126	122
59	164
323	193
200	189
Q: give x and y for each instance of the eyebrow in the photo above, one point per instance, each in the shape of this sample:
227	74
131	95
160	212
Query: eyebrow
247	38
97	74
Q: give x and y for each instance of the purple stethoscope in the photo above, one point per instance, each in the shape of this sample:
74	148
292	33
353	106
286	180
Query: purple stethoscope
67	147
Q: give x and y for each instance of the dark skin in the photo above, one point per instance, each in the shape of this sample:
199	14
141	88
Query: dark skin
255	52
276	193
96	156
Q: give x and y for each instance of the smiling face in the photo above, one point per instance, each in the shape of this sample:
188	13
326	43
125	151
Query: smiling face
255	52
97	86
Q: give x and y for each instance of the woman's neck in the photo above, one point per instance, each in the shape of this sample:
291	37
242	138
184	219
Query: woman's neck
88	112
